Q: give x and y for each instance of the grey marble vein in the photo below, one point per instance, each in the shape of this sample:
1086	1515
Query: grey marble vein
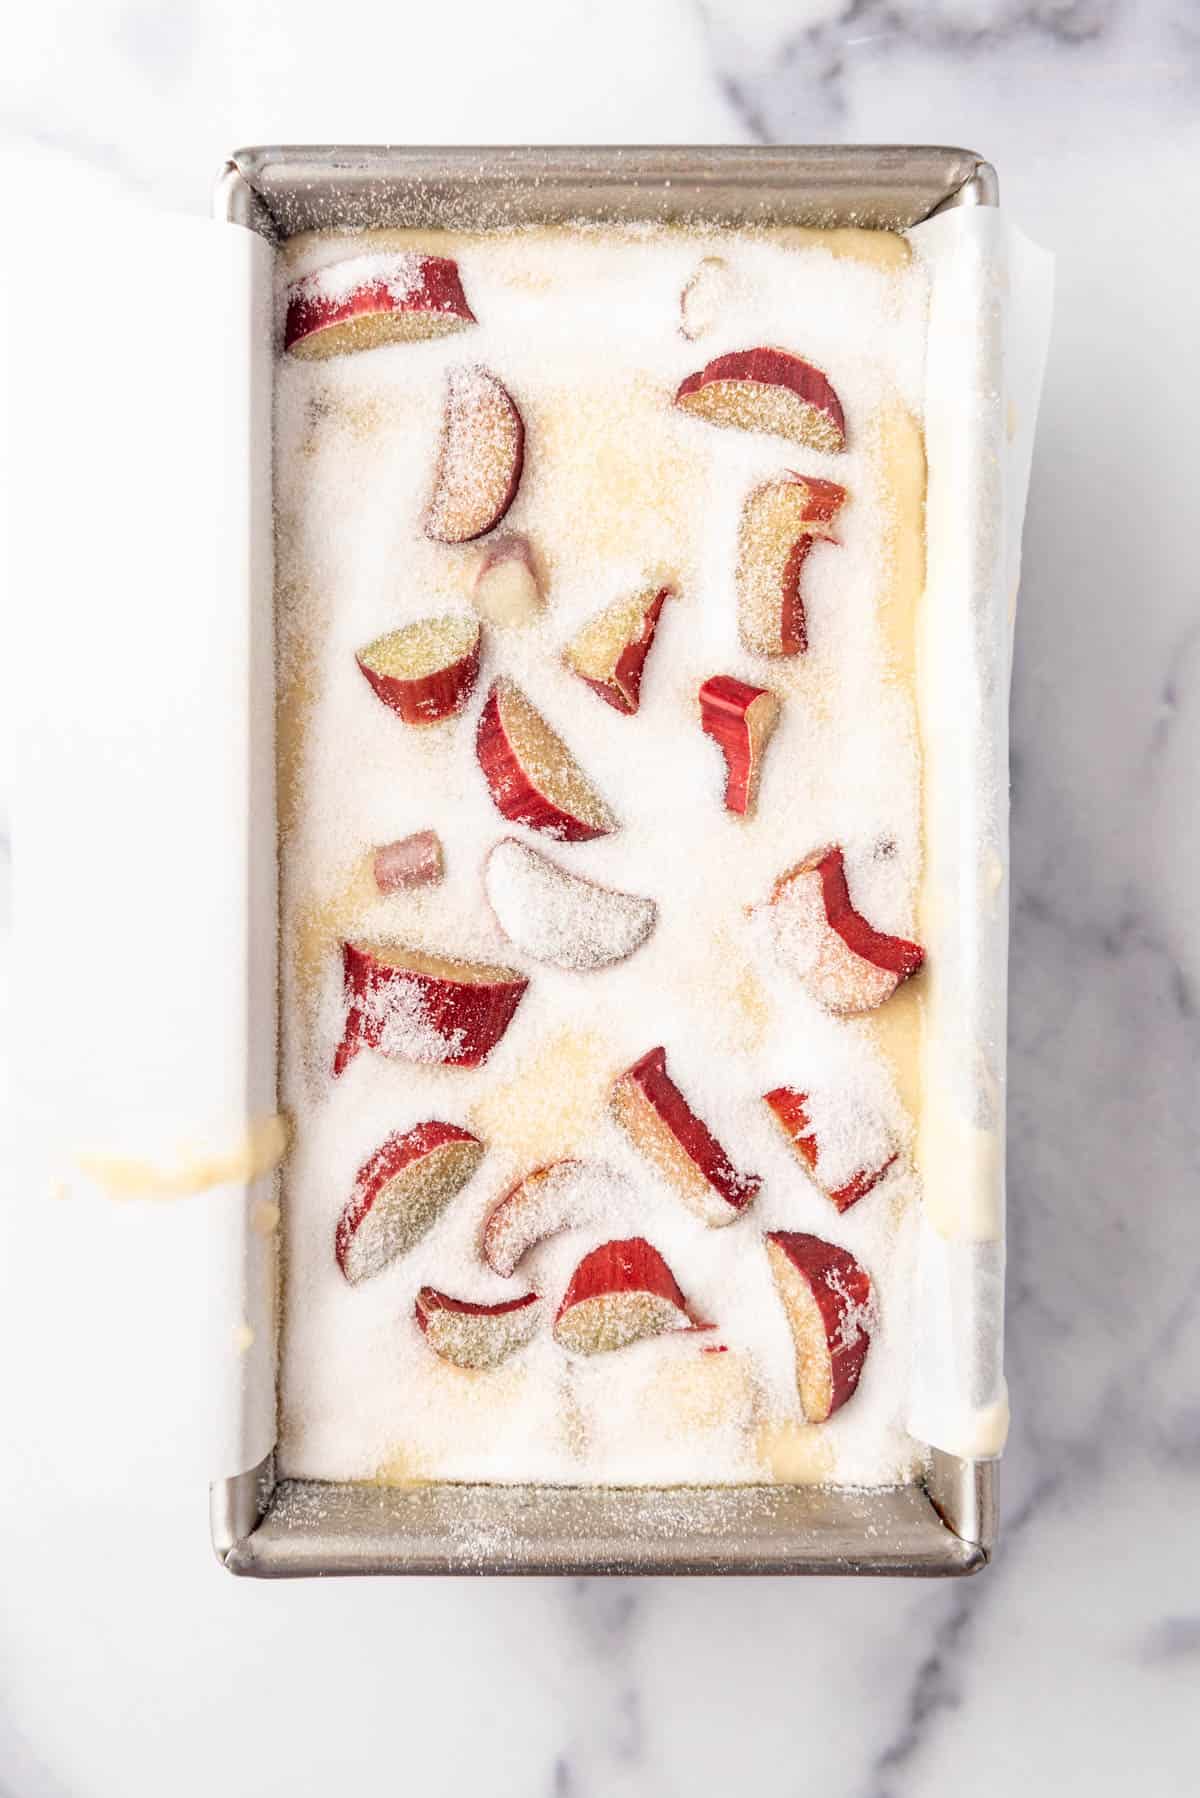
1172	1639
940	1682
606	1728
1179	671
798	82
936	1688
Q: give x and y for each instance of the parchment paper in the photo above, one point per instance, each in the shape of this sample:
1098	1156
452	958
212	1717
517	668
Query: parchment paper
990	305
144	844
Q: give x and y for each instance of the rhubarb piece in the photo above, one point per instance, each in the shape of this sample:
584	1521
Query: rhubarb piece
827	1298
610	651
425	671
661	1123
560	918
566	1195
741	719
531	774
507	590
767	390
845	1165
472	1335
703	297
479	464
620	1293
843	962
399	1194
781	521
416	1007
372	300
414	861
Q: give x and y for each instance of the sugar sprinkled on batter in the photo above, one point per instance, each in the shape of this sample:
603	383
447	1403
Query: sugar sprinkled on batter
619	491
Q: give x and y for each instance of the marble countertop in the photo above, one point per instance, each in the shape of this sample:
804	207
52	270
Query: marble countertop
130	1664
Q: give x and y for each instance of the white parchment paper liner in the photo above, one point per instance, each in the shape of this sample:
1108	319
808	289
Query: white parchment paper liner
990	302
144	867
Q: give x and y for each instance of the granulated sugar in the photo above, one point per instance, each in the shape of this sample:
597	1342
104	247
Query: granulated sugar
399	273
620	491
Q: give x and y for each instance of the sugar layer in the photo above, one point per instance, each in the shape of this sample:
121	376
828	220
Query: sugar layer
618	489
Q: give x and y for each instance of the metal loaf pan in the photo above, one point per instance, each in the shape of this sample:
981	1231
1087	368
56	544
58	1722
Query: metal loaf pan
268	1529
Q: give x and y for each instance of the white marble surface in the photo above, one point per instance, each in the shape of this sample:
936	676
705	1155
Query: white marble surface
129	1663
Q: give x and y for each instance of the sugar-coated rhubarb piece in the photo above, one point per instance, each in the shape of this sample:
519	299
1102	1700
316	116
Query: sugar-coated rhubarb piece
566	1195
620	1293
741	720
474	1335
417	1007
373	300
480	460
844	963
767	390
661	1123
827	1297
414	861
703	297
844	1170
400	1192
507	590
610	652
781	521
531	774
561	918
427	670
